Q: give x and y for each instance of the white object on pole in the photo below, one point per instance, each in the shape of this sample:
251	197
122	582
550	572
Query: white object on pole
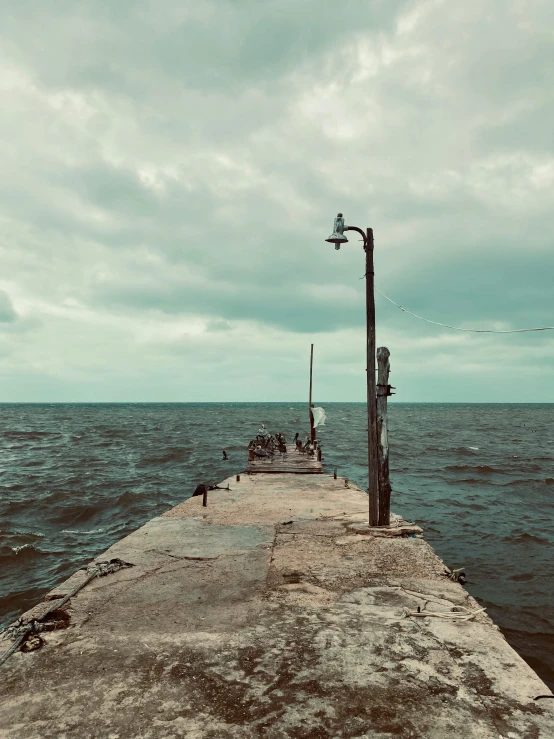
319	417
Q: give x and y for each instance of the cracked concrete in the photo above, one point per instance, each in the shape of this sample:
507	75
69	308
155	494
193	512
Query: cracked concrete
266	615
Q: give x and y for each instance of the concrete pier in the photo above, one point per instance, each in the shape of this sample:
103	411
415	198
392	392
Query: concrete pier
293	461
268	614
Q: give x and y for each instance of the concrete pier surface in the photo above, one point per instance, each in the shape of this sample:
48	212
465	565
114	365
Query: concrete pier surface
293	461
268	614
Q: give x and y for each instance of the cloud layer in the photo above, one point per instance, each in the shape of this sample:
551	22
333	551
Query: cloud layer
171	173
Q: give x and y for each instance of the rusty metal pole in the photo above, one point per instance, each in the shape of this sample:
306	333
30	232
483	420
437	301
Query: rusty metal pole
338	238
372	457
312	427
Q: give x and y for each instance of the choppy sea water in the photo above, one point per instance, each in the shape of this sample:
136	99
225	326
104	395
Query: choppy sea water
478	478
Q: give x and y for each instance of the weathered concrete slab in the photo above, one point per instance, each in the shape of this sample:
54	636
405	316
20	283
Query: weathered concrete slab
264	615
190	538
268	499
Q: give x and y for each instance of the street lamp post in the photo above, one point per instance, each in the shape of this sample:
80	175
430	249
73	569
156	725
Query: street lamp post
337	238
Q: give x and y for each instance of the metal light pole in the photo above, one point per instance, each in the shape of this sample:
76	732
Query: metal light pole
337	238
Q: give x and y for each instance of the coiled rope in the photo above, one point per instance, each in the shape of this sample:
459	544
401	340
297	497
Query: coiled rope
21	631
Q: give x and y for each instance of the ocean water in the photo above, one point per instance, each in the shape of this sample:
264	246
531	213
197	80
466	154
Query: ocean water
479	479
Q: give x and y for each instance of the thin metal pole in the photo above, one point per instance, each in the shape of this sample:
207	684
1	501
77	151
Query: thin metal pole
372	459
312	429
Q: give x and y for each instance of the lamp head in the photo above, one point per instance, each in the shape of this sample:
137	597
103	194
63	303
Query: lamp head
337	237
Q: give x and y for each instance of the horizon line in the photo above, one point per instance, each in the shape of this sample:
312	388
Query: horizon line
270	402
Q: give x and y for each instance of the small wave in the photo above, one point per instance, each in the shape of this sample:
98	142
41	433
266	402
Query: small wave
483	468
113	433
524	577
527	481
33	463
21	551
51	499
27	434
465	451
175	455
526	539
471	481
529	467
128	497
18	549
76	514
13	488
82	531
549	480
23	534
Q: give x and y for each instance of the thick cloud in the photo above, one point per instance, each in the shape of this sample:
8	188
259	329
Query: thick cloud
170	173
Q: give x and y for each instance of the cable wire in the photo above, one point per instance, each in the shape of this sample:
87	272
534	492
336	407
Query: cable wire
471	330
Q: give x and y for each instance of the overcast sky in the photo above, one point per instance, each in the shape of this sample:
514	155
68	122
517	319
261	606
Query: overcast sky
170	170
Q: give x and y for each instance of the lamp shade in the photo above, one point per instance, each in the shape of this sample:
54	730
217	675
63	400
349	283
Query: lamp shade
337	237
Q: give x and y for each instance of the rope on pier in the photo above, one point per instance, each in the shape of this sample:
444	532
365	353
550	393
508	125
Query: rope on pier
467	615
462	613
395	523
22	631
453	616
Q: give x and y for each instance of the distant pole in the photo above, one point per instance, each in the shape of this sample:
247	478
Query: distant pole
312	427
372	455
383	391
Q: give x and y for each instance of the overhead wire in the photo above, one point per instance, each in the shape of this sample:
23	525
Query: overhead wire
470	330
